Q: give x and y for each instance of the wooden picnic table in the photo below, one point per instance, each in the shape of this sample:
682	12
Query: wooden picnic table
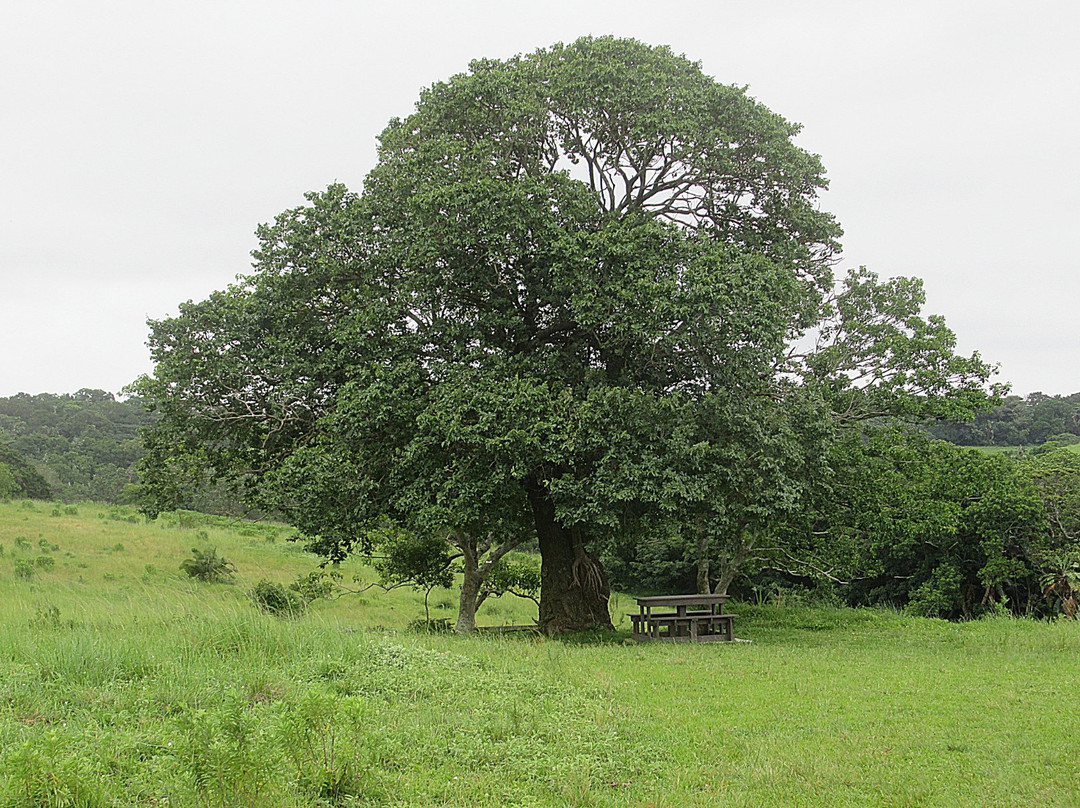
708	622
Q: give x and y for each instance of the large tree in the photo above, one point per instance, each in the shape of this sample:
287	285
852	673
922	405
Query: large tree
572	277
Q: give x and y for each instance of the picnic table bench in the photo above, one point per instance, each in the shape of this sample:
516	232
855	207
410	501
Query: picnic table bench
707	623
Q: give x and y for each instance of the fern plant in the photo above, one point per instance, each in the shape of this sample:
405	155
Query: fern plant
207	565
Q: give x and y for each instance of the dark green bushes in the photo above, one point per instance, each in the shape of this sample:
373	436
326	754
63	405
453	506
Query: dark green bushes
277	599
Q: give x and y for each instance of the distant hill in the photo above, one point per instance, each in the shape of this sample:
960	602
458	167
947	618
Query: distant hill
82	445
1029	421
87	446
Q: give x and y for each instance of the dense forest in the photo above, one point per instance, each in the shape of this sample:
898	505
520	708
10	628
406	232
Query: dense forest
88	445
85	444
1017	421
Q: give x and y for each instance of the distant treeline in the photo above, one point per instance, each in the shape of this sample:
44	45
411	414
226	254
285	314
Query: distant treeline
905	521
1029	421
85	445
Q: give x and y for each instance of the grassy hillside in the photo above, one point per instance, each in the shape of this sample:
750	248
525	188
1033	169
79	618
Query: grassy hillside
122	682
993	450
108	560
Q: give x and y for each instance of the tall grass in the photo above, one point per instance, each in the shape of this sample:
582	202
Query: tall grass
121	685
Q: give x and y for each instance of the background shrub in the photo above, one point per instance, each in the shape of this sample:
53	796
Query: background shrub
207	565
278	600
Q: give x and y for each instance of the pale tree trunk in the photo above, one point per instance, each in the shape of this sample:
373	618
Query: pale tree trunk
467	605
475	573
702	556
470	586
734	557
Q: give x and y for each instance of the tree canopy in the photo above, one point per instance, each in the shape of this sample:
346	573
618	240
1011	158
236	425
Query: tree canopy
1029	421
583	291
18	478
84	444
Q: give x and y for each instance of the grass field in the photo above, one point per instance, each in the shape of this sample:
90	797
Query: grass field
994	450
122	682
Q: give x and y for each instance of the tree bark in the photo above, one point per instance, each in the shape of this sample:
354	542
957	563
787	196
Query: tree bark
467	605
732	561
702	557
574	589
470	585
475	575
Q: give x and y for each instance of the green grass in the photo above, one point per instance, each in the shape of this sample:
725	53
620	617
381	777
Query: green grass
127	685
995	450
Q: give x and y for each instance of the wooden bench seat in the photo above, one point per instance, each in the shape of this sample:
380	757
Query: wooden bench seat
684	627
697	618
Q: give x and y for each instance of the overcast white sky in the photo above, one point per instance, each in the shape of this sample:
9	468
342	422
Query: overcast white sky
142	142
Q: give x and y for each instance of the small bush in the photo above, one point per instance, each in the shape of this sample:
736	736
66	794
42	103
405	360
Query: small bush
319	583
278	600
207	565
46	616
46	562
22	542
24	569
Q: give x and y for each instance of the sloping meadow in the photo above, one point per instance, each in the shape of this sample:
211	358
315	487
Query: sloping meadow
123	682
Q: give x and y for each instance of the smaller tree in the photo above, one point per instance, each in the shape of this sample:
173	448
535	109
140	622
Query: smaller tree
18	478
940	530
427	561
8	486
875	356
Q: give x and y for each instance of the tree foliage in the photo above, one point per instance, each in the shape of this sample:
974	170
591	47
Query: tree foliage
941	530
1018	421
18	478
563	307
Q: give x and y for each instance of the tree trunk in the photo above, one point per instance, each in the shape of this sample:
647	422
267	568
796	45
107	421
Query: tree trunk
702	557
574	590
470	585
466	617
732	561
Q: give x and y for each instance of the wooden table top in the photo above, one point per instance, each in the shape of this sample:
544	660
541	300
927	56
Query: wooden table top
681	600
